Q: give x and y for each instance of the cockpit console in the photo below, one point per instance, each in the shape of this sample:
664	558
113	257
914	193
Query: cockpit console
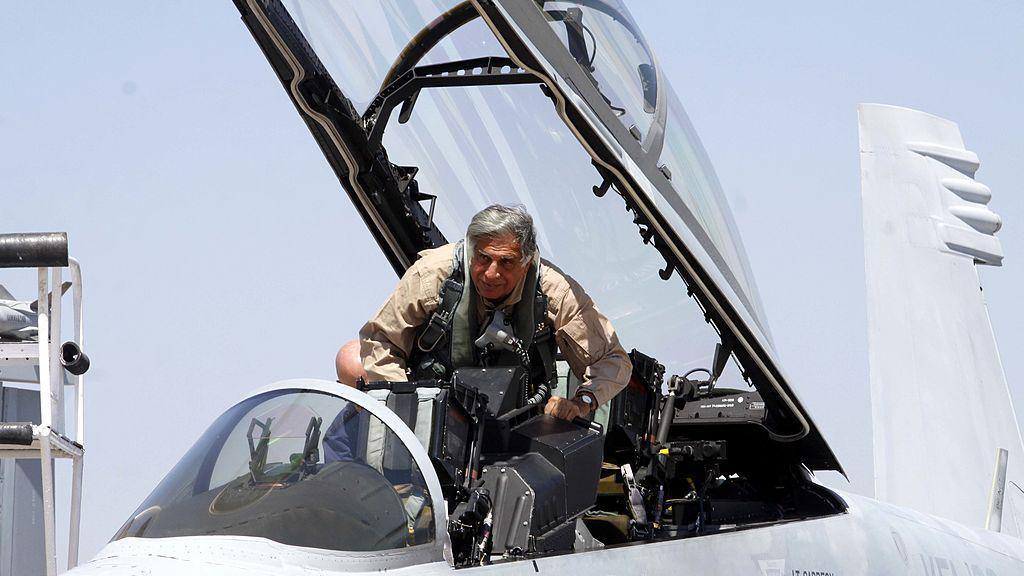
320	465
530	476
664	464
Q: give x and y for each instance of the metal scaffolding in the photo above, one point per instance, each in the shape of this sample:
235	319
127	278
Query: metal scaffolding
55	364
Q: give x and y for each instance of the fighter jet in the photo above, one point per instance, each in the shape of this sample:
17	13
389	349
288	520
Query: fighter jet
705	463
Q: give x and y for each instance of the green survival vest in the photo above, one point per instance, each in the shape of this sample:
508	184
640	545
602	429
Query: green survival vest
446	341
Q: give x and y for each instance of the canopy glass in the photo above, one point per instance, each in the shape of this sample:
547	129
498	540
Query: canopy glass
300	467
475	146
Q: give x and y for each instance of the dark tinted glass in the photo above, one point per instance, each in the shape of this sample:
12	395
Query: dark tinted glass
299	467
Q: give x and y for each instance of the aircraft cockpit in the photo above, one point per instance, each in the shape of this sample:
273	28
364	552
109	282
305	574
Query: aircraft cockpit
560	107
309	464
409	473
294	465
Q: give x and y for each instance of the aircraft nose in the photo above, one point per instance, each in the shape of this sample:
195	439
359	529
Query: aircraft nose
216	556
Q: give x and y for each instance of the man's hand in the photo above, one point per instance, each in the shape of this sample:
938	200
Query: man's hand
565	408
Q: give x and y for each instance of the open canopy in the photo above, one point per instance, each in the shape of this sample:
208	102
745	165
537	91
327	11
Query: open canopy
430	110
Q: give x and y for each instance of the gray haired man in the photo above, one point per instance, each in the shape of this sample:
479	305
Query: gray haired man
427	326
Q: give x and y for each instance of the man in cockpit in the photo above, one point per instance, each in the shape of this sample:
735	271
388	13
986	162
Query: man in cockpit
341	438
435	321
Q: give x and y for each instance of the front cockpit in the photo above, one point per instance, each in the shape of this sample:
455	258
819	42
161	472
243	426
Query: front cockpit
297	465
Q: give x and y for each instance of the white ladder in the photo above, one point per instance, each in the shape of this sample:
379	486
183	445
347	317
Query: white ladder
48	439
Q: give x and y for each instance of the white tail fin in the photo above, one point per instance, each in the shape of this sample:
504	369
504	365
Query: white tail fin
4	294
940	404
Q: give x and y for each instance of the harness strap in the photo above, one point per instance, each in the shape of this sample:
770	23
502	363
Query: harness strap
453	318
451	294
542	337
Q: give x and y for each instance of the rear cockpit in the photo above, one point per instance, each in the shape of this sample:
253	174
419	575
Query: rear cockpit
461	125
429	111
551	105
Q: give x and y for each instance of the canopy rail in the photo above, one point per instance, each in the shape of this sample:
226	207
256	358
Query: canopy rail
430	36
405	89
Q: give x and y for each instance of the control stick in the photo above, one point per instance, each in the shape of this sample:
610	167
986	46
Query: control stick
675	383
683	387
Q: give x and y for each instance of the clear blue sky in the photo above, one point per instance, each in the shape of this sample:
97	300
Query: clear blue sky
221	254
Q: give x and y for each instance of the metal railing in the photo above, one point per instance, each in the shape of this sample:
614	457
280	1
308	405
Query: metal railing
52	359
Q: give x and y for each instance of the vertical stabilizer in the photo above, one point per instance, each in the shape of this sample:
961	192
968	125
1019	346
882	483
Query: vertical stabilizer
940	405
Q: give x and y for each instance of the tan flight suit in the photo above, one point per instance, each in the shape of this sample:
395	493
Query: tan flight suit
583	334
